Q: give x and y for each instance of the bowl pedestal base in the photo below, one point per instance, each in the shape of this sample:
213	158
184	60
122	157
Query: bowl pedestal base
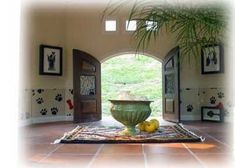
129	130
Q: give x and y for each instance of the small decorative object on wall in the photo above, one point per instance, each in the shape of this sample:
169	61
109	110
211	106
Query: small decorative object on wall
212	114
50	60
212	59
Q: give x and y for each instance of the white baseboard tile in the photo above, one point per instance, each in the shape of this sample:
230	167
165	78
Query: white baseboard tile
198	118
35	120
23	123
191	117
69	118
228	119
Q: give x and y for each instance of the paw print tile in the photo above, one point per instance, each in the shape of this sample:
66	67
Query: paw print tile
189	108
71	91
220	95
58	97
210	96
43	111
212	100
190	101
57	102
202	97
40	91
39	100
33	92
54	110
51	100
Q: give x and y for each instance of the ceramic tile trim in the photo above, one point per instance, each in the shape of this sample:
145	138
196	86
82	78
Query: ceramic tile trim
192	99
46	105
57	104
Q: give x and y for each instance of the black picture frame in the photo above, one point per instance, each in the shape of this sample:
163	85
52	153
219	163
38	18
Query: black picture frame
212	59
213	114
50	60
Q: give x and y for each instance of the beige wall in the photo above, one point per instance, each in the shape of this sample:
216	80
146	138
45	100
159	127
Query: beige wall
85	31
191	77
41	26
76	28
73	29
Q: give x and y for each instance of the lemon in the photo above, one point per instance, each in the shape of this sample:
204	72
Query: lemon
141	126
150	127
155	122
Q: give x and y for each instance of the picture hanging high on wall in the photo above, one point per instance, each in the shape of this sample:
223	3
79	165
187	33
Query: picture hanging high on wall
212	60
50	62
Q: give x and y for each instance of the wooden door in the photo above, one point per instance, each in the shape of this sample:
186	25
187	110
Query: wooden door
87	87
171	85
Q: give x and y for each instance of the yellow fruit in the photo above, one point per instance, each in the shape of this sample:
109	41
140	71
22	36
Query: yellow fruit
155	122
141	126
150	127
145	122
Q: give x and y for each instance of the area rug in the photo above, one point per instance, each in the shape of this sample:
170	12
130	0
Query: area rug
102	134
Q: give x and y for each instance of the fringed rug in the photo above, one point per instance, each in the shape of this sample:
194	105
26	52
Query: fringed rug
102	134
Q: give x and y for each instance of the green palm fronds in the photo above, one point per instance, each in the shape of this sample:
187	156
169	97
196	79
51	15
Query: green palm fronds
193	27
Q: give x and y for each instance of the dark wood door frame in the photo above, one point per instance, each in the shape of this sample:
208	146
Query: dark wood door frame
87	108
175	52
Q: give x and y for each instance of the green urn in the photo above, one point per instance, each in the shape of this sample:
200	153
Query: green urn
130	113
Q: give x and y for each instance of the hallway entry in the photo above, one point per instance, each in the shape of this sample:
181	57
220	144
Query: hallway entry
95	84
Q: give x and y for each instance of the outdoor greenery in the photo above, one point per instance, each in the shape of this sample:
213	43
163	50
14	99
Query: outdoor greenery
193	26
139	74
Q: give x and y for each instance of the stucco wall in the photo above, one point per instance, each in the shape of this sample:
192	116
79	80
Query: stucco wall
72	28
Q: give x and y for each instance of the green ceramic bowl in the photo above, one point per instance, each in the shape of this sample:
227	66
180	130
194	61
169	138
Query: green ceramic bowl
130	113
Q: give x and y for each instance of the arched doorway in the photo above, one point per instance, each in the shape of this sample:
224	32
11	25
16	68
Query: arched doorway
140	74
87	85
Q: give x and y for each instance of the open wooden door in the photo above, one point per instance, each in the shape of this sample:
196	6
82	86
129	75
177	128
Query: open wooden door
87	87
171	86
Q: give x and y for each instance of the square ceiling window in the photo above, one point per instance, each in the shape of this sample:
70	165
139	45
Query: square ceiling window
110	25
131	25
151	25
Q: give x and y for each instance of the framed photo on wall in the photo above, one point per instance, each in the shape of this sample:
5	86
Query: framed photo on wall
50	62
212	114
212	60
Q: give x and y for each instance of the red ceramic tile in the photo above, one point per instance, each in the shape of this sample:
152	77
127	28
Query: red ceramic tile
118	161
78	148
216	160
36	139
207	147
41	148
164	148
172	161
64	160
122	149
34	158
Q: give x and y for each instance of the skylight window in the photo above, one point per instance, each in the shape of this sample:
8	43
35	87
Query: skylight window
151	25
131	25
110	25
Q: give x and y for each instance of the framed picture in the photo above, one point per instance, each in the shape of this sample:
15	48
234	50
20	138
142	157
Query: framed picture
212	114
50	62
212	60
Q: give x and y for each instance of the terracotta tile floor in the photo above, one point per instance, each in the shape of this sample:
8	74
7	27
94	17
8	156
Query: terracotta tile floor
37	150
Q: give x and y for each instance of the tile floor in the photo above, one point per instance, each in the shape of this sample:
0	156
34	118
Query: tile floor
37	150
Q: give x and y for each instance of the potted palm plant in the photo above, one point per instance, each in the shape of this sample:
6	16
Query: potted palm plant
192	26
